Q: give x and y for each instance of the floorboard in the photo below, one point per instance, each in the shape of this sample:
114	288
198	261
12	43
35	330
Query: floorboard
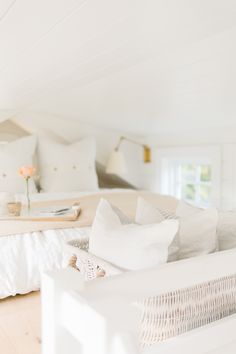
20	324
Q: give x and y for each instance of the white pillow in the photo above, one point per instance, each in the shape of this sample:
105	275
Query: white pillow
148	214
226	230
14	155
130	247
197	230
67	168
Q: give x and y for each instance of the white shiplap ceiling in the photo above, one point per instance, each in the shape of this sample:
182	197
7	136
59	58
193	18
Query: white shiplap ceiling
143	66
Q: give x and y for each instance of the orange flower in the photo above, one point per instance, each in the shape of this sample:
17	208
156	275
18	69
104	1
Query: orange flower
27	171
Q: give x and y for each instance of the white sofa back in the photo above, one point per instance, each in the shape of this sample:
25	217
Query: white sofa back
99	316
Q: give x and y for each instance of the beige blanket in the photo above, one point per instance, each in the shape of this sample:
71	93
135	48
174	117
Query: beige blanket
125	201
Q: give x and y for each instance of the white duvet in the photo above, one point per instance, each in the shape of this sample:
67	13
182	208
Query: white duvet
23	257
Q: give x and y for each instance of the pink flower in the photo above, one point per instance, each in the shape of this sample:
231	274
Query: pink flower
27	171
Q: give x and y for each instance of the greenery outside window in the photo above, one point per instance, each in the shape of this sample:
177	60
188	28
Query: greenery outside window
194	183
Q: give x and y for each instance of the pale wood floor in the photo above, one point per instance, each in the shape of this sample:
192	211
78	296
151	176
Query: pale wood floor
20	325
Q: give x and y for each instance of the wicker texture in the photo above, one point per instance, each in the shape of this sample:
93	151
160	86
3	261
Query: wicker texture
168	215
177	312
168	315
81	243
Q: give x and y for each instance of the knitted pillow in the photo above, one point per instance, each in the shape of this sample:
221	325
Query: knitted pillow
90	266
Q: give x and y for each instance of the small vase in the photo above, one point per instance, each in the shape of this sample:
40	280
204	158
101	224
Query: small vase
27	195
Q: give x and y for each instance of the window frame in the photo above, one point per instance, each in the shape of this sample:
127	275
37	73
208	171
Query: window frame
181	182
209	155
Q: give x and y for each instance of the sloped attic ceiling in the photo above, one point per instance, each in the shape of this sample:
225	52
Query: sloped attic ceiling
10	131
142	66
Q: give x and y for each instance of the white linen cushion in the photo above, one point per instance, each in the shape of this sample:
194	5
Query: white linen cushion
14	155
226	230
67	168
146	214
132	246
197	230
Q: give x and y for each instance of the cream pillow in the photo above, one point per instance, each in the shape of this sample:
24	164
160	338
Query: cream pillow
67	168
197	230
14	155
226	230
130	247
148	214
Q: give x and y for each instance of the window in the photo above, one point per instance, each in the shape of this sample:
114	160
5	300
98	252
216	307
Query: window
190	173
193	182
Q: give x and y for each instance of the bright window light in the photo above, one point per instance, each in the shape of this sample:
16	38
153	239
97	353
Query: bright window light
194	183
191	173
190	181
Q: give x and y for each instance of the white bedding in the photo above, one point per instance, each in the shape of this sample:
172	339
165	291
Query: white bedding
24	256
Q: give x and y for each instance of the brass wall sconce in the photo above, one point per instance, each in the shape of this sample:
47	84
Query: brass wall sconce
116	163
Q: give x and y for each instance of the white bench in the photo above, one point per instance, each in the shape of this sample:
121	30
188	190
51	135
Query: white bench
97	317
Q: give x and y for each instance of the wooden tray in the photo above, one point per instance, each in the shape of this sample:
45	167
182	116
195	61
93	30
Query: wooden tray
57	218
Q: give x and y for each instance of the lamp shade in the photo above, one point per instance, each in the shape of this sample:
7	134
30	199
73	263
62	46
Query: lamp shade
116	163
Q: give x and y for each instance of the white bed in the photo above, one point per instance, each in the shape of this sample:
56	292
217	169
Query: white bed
24	256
